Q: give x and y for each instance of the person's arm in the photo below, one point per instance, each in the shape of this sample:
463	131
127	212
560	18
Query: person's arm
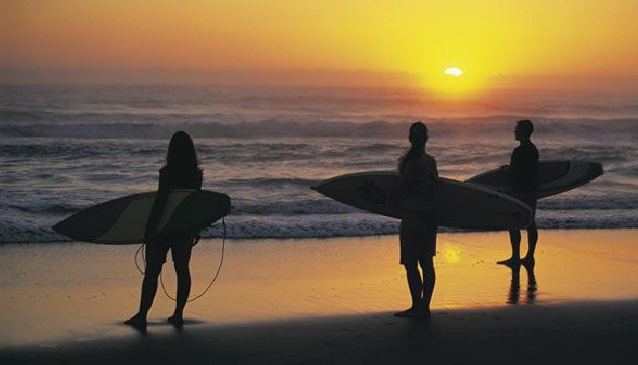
198	185
519	159
432	176
200	179
435	169
513	162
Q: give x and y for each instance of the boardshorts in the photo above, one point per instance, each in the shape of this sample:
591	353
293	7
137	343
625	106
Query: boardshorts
417	235
180	247
529	198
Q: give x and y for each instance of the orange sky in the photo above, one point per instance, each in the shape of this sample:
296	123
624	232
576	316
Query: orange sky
489	40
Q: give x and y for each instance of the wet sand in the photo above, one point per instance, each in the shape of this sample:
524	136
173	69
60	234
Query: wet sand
584	333
318	301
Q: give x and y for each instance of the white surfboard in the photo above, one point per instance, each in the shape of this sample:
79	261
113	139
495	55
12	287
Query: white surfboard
456	204
123	220
553	177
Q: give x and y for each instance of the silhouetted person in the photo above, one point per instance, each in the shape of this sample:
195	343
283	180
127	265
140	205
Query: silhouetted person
522	169
417	175
181	172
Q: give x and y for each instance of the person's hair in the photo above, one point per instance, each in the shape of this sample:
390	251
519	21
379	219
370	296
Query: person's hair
181	153
418	136
526	127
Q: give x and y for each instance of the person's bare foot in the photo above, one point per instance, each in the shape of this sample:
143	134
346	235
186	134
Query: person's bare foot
138	322
176	320
512	261
414	313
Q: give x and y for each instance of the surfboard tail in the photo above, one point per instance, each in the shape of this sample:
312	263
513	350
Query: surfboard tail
89	224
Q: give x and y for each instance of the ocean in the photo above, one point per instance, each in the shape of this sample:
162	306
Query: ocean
65	148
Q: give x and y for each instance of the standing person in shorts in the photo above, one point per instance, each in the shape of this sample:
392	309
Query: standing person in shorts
522	169
417	175
181	172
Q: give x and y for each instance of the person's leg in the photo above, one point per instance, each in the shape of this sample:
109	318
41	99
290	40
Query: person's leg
429	280
415	284
515	242
532	239
149	289
181	252
532	232
155	256
411	236
183	291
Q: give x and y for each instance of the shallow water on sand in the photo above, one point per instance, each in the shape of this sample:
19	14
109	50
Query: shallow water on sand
54	291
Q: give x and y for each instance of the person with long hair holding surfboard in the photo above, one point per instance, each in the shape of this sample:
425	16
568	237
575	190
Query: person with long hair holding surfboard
417	175
181	172
522	169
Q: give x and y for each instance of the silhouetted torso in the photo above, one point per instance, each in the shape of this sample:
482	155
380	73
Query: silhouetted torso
523	165
416	182
170	179
179	179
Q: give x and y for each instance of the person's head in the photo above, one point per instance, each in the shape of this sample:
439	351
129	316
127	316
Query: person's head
418	134
181	151
523	130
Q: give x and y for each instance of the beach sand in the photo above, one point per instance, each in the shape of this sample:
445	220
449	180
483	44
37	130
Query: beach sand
320	301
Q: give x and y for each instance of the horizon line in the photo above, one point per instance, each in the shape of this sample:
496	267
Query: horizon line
292	77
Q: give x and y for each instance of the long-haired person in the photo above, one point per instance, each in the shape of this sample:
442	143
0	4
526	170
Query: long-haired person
181	172
417	175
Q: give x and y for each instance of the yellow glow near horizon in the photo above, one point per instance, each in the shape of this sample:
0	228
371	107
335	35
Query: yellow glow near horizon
454	83
401	41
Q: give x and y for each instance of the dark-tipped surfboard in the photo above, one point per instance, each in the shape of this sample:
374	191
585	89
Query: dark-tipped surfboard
553	177
456	204
123	220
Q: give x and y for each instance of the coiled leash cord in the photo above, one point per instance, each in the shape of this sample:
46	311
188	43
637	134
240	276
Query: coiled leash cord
190	299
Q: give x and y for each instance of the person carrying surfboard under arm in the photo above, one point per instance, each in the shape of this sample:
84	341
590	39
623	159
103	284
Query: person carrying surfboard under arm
522	169
181	172
417	237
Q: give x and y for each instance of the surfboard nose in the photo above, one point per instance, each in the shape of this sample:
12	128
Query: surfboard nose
596	169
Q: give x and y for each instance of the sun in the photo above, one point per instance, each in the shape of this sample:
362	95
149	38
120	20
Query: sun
451	82
454	71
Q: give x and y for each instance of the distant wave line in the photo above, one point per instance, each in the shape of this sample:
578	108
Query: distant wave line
308	129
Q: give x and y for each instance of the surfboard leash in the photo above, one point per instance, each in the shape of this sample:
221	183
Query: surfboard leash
139	249
219	268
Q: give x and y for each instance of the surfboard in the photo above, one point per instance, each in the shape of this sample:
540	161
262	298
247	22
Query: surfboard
553	177
123	220
456	204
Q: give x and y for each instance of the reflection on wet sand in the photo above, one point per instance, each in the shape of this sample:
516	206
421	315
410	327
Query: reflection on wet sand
514	295
41	300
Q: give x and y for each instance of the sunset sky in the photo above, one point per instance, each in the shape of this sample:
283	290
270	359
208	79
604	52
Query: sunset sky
408	41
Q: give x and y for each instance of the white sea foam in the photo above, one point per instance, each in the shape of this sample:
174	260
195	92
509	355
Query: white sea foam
64	151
